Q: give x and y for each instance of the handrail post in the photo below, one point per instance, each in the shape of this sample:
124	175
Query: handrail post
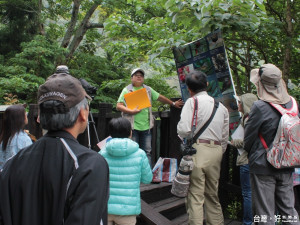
104	109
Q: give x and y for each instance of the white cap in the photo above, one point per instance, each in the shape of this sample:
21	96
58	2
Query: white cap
137	70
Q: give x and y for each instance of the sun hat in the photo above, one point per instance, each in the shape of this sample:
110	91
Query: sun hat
137	70
62	87
269	84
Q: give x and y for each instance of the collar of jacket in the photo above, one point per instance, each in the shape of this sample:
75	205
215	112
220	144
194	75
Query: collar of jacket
200	93
60	134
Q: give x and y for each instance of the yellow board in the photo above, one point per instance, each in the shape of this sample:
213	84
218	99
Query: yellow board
137	98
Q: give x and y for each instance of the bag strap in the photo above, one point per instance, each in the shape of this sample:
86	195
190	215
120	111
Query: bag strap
216	105
263	141
293	110
195	116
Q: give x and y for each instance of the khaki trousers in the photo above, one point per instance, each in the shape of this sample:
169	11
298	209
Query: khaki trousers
121	220
204	186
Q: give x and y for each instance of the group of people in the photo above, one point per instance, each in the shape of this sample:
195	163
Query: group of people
55	180
267	192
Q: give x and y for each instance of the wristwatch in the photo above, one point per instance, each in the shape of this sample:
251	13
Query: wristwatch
173	103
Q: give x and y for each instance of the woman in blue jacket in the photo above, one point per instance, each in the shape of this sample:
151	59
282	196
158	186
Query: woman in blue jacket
128	167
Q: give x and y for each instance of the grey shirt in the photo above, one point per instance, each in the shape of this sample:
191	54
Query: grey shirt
218	129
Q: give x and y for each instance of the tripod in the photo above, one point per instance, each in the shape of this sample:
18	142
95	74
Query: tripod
88	130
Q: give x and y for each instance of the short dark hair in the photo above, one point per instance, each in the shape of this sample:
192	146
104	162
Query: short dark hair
51	120
119	128
196	81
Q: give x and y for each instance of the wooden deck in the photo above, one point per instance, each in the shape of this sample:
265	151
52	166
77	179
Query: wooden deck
160	207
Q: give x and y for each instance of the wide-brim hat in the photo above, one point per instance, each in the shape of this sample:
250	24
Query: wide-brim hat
137	70
269	84
62	87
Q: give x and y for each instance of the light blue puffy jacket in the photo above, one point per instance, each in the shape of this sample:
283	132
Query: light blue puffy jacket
128	167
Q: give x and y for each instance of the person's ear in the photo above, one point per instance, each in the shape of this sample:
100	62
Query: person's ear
83	116
191	92
207	83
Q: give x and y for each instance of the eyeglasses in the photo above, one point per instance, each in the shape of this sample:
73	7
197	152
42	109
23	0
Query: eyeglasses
138	75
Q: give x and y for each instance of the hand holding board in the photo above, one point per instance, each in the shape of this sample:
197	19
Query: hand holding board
138	99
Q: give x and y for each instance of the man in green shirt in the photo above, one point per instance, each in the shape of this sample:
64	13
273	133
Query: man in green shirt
142	120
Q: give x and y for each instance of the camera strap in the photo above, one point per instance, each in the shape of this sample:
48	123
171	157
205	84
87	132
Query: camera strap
194	122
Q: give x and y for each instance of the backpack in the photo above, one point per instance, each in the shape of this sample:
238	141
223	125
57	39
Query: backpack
285	152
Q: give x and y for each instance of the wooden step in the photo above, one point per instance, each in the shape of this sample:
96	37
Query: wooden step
150	217
151	186
181	220
171	207
164	204
156	192
159	205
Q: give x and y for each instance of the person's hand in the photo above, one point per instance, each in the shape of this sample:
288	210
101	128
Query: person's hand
178	104
135	110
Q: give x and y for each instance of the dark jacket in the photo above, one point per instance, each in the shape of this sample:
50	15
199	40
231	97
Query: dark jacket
264	119
52	183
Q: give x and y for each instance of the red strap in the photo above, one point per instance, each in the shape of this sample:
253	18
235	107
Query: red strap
293	110
263	141
195	114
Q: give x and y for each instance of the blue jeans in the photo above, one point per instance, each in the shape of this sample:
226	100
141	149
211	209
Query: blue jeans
143	138
246	193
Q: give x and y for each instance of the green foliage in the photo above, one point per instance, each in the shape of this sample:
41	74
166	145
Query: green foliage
24	86
24	72
110	90
233	209
293	89
95	68
254	32
161	86
175	22
137	32
39	56
20	22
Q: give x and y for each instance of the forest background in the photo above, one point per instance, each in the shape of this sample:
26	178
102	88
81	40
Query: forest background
103	40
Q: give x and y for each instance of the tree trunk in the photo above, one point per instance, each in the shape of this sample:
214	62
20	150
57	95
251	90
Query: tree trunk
288	45
81	31
72	24
40	24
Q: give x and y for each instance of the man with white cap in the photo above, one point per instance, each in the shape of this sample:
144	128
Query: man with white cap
56	180
272	189
142	120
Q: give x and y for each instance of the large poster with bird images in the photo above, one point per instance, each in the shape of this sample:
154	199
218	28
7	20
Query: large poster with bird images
209	56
